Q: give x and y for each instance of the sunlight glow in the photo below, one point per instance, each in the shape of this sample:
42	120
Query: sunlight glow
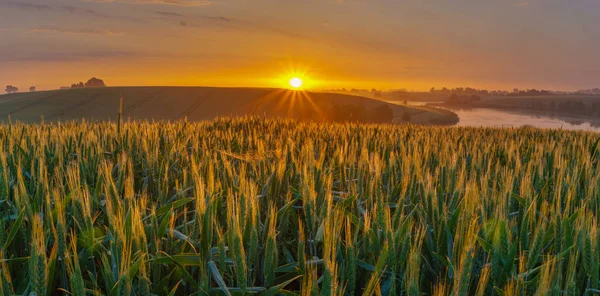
296	82
293	76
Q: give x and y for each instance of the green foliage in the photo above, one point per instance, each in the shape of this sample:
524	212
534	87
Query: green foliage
276	207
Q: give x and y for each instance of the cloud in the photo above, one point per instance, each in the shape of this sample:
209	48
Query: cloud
163	2
224	22
521	4
64	56
89	32
218	18
58	8
23	5
34	55
3	29
186	21
169	14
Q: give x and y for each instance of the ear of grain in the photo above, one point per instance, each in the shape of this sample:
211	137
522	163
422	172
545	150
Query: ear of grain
143	207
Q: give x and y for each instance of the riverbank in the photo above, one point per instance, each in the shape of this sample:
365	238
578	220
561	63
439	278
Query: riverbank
556	105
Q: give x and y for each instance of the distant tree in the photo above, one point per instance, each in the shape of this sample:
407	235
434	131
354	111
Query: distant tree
11	89
453	98
32	89
531	92
77	85
432	89
376	93
95	82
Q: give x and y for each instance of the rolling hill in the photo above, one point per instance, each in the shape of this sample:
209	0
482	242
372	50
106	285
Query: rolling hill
195	104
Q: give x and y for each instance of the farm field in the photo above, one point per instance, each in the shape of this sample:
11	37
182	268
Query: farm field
280	207
194	103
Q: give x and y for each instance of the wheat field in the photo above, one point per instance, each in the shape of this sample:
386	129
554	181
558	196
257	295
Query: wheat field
278	207
196	104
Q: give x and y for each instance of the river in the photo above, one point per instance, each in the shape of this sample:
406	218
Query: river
484	117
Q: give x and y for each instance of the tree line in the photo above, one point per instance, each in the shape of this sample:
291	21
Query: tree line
92	82
468	91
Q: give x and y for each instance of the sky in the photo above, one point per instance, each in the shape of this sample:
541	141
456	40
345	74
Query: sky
383	44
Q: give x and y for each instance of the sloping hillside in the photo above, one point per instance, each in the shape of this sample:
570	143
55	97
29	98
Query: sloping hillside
196	103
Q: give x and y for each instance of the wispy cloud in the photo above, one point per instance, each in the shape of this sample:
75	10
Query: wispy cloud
89	32
218	18
224	22
169	14
521	4
241	26
164	2
55	8
64	56
187	21
13	55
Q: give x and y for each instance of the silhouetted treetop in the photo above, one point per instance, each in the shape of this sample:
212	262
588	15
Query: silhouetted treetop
92	82
11	89
95	82
77	85
466	91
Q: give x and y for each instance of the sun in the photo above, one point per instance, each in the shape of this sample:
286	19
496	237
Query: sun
296	82
292	77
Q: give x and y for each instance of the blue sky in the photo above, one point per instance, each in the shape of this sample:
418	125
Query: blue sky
387	44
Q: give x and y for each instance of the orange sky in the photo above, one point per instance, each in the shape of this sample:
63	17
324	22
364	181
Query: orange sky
384	44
